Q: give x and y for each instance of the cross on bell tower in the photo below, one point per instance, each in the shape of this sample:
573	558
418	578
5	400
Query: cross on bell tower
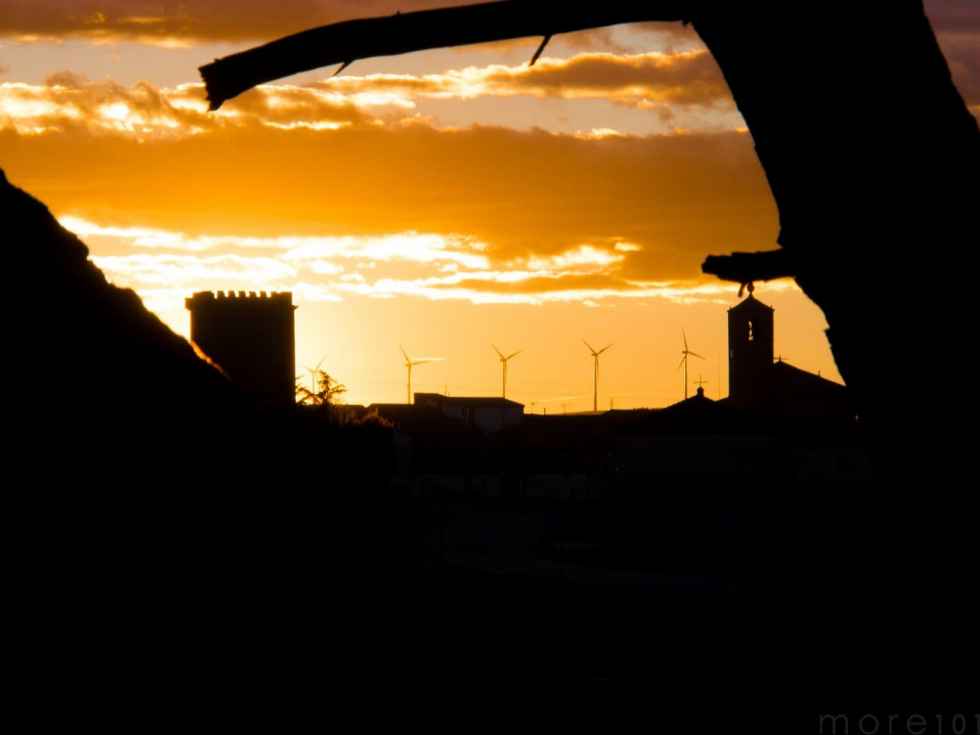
750	348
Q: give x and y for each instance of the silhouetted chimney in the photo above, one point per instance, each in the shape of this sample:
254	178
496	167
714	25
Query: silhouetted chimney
252	337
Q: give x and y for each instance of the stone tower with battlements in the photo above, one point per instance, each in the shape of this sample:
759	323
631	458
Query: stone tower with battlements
252	337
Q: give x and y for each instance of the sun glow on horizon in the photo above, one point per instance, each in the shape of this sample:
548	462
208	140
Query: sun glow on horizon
433	266
399	284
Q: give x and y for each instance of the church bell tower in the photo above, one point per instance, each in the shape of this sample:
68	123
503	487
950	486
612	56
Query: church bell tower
751	348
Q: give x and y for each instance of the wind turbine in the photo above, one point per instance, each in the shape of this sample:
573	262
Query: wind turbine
503	363
314	373
595	375
686	354
410	363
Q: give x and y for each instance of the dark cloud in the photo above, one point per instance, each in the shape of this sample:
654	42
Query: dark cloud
204	20
644	35
957	25
521	193
962	51
241	20
70	101
691	78
954	16
259	19
564	282
67	79
291	106
638	80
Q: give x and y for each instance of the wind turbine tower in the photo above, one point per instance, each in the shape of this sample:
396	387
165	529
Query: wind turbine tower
503	363
595	375
410	364
684	360
314	374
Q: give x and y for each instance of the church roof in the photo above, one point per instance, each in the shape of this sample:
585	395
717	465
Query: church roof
790	391
790	375
751	303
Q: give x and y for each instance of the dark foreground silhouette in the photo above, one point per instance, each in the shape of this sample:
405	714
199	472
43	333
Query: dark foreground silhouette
174	540
866	587
177	541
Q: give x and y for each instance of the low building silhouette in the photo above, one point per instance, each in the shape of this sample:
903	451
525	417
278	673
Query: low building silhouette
488	415
480	414
251	336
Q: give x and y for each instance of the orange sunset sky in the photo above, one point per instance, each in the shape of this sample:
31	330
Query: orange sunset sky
444	201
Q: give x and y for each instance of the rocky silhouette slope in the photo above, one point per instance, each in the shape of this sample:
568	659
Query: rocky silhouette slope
104	374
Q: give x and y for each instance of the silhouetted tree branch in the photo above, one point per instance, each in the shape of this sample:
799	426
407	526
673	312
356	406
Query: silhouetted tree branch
344	43
745	268
327	393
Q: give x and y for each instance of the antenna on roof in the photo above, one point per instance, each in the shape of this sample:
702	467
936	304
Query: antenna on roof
561	400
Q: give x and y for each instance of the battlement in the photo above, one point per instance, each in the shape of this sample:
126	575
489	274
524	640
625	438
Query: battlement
252	337
204	299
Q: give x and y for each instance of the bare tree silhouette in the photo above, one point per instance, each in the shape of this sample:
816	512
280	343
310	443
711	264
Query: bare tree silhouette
327	394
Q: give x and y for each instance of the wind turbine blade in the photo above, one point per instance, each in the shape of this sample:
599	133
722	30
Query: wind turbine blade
499	353
511	357
695	354
407	358
591	349
604	349
683	360
684	335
